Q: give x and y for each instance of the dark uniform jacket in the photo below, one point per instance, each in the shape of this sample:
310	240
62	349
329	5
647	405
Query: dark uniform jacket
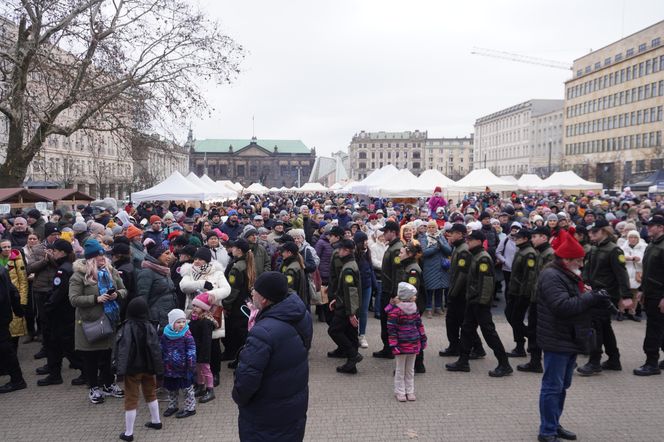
545	256
237	278
524	271
350	282
335	271
652	280
459	265
604	268
57	307
413	275
295	276
261	259
481	282
392	273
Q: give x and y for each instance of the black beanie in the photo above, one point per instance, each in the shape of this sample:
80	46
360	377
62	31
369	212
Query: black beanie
272	286
204	254
156	250
137	310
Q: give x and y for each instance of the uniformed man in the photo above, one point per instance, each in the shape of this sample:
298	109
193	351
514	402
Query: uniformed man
540	240
479	296
412	274
293	268
392	274
345	306
60	314
604	268
652	288
522	284
334	236
456	295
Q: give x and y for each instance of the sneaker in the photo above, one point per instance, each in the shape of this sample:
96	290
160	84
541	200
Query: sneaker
113	390
96	396
438	312
411	397
401	397
363	342
80	380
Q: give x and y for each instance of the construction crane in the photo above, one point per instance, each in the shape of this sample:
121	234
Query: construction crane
521	58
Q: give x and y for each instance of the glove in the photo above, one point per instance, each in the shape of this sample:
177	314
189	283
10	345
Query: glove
602	298
208	285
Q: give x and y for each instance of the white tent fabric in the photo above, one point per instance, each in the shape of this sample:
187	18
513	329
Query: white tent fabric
374	177
257	188
479	179
402	185
509	179
211	192
568	180
336	186
175	187
313	187
219	189
432	178
529	181
347	188
228	184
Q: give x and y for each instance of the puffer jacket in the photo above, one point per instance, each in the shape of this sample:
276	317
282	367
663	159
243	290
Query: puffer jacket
273	374
158	291
179	356
191	283
435	276
324	251
19	277
83	297
138	349
563	312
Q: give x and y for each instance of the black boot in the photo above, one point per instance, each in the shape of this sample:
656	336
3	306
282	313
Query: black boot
348	368
518	352
41	354
503	369
215	380
385	353
531	367
199	390
51	379
43	370
208	396
612	364
449	351
476	353
589	369
460	365
565	434
80	380
661	364
336	353
648	370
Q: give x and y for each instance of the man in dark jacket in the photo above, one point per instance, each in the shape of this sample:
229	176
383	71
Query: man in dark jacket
121	253
9	302
563	330
232	227
37	223
273	369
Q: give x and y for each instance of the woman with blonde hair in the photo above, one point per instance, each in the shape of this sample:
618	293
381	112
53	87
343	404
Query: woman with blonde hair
634	248
94	289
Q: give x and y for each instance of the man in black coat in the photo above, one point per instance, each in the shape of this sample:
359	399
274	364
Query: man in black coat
564	329
9	302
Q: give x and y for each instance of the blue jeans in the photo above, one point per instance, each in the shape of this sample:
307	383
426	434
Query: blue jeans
434	297
557	378
364	309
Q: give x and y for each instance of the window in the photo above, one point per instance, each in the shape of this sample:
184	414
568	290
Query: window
629	52
597	66
363	165
416	156
362	156
655	42
642	47
240	170
618	57
640	165
607	61
416	165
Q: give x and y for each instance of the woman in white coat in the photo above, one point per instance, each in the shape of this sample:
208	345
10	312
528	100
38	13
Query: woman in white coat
206	275
634	248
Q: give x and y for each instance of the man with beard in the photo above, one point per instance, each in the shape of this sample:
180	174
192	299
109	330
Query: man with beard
155	231
36	222
18	234
277	232
232	227
262	261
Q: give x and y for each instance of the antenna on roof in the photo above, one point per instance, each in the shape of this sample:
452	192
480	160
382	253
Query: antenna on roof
253	127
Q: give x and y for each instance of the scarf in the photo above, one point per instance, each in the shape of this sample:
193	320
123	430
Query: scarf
172	334
162	270
205	315
432	240
104	284
568	272
198	272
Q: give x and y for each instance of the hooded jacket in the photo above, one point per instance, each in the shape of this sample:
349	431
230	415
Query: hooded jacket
137	347
273	374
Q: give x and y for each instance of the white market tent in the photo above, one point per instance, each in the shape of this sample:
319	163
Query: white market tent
432	178
402	185
347	188
529	181
211	192
230	185
313	187
479	179
373	179
509	179
257	188
175	187
568	180
218	188
336	186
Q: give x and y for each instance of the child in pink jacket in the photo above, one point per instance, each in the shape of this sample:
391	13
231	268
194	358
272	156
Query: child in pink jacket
406	338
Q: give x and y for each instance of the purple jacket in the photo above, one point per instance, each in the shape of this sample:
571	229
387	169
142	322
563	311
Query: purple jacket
405	331
324	251
179	356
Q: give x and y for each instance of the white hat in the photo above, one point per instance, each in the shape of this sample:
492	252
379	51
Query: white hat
175	315
405	291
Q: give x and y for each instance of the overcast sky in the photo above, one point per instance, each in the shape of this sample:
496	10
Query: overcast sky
322	71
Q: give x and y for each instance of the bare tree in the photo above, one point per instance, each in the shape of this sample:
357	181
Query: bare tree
103	65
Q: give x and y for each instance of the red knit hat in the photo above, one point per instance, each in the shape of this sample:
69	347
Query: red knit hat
437	189
568	247
154	219
202	301
133	231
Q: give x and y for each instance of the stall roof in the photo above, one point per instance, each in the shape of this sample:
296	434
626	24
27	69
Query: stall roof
62	194
19	194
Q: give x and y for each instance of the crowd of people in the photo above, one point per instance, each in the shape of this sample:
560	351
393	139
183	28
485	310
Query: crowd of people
158	296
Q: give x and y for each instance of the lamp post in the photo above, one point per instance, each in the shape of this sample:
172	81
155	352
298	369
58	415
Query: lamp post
550	144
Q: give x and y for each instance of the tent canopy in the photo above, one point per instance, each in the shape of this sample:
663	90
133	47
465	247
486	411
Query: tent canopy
374	178
313	187
432	178
479	179
222	190
62	194
402	185
509	179
257	188
529	181
175	187
568	180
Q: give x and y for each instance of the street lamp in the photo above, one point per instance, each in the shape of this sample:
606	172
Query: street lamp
550	143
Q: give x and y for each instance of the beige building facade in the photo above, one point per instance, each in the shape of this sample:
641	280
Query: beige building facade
525	138
369	151
613	118
453	157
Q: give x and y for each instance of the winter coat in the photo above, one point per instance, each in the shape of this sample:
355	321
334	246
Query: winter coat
233	231
324	251
273	374
220	255
192	283
261	258
83	297
405	331
38	228
44	268
18	239
435	276
57	307
377	252
634	267
18	277
201	329
367	275
179	356
310	258
156	236
434	203
563	312
137	349
158	291
9	303
137	254
127	272
505	253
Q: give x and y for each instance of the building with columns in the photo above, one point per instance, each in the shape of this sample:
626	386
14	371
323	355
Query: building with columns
613	110
369	151
273	163
453	157
525	138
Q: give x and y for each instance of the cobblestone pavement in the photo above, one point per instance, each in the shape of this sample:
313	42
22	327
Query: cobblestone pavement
450	406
